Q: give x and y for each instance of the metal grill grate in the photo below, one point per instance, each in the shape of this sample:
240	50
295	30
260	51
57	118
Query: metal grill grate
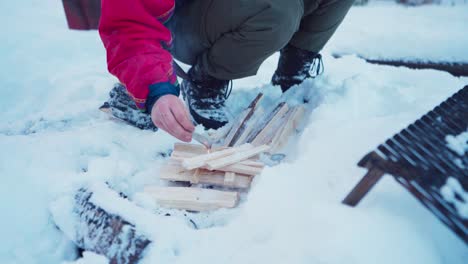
419	158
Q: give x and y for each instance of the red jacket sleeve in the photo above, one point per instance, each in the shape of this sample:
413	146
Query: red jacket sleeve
133	34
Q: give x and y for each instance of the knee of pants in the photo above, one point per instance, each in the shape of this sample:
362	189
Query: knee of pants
278	22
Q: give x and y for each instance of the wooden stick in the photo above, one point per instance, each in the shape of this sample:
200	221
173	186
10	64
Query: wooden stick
234	128
264	122
232	159
229	178
251	110
252	163
293	119
248	167
196	176
199	161
267	131
241	168
171	173
251	125
188	150
193	199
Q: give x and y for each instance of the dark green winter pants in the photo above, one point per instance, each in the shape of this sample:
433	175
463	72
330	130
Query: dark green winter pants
231	38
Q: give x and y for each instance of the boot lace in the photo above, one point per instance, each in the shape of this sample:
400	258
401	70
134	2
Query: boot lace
316	67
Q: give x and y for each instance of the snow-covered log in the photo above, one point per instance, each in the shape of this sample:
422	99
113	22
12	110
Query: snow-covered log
107	234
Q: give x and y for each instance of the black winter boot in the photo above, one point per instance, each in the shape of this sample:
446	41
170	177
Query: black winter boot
205	97
295	65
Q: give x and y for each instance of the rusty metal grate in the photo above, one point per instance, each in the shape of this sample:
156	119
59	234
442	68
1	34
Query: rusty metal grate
419	158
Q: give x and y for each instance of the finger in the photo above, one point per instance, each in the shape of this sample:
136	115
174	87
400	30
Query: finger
157	121
173	127
181	114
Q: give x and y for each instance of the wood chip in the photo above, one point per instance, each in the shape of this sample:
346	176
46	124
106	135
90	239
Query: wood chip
192	199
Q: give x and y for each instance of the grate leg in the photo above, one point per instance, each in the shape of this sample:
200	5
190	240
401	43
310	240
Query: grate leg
363	187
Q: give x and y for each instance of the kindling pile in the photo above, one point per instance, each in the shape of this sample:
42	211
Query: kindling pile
230	163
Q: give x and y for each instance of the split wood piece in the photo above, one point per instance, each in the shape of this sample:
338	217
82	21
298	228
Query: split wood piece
268	130
293	119
186	150
236	157
240	128
172	172
201	160
180	156
250	127
196	176
229	178
242	169
253	134
192	199
234	128
249	167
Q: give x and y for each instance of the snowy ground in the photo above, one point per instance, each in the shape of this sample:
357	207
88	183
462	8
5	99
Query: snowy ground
386	31
53	139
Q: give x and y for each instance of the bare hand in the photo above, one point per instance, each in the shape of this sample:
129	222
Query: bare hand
170	114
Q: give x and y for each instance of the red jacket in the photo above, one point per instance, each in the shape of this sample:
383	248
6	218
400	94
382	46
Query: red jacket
134	37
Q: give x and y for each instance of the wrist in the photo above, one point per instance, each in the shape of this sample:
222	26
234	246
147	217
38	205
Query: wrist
157	91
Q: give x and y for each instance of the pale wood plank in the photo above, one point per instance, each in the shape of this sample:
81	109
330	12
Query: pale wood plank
293	120
172	173
234	158
251	125
268	130
201	160
229	178
188	150
248	167
234	128
253	163
196	176
241	168
264	122
251	110
192	199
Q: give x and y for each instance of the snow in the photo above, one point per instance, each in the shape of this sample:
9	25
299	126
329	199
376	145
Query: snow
53	140
458	143
89	258
450	190
383	30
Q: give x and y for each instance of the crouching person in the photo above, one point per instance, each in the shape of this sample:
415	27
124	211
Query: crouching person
223	40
